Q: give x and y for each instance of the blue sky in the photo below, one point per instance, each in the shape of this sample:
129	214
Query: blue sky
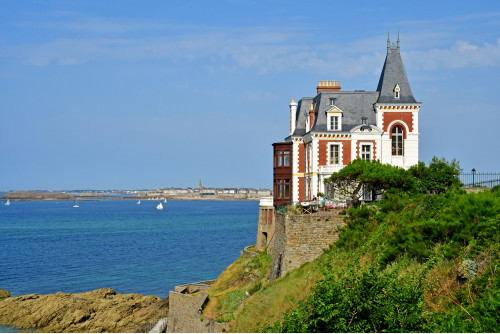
146	94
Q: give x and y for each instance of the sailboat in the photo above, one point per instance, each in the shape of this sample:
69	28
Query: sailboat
139	202
159	206
76	205
8	202
165	201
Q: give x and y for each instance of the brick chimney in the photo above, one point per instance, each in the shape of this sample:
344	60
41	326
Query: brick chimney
330	85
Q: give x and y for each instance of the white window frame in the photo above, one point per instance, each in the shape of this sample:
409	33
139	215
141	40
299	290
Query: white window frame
362	144
398	136
336	124
334	111
330	151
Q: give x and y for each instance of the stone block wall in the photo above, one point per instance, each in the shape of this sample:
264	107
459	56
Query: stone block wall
184	315
265	227
301	238
194	287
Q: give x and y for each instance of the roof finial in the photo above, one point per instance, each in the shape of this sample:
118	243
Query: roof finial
398	39
388	42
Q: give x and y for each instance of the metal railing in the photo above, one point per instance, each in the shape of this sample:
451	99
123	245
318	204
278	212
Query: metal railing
475	179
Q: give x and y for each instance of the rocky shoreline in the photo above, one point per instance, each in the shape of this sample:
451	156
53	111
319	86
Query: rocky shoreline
37	196
101	310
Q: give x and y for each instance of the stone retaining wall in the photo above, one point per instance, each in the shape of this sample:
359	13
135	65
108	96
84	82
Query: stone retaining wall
301	238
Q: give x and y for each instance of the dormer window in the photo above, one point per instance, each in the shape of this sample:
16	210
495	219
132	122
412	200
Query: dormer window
334	119
332	101
396	92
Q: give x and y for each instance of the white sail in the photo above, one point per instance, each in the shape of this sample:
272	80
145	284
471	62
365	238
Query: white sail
165	200
8	202
159	206
139	202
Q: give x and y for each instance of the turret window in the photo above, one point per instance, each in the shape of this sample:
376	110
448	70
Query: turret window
397	140
396	92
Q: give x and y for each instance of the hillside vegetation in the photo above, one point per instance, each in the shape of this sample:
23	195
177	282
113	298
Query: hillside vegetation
423	259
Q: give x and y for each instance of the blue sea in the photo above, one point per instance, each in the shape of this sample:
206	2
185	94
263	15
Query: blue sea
46	247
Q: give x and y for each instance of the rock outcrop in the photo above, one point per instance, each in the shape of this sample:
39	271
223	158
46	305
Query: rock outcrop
4	294
101	310
38	196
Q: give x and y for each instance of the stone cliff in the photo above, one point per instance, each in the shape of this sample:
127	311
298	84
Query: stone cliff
101	310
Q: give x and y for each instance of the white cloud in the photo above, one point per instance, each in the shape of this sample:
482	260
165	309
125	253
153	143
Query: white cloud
264	49
37	60
461	55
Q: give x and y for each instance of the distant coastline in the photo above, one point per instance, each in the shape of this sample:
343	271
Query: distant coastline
189	194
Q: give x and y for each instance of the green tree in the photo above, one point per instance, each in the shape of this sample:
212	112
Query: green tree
439	176
361	175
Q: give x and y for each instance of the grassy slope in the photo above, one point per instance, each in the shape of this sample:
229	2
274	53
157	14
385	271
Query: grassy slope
432	234
236	284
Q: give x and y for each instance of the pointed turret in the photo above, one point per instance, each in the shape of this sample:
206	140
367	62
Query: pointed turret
393	84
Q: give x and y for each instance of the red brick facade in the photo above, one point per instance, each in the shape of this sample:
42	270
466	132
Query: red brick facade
301	188
323	151
389	117
301	158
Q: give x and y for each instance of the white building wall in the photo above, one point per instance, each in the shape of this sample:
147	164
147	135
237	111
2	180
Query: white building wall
411	150
295	170
315	166
415	120
385	151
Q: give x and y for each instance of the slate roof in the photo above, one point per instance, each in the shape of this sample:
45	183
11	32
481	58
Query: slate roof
354	106
357	104
393	73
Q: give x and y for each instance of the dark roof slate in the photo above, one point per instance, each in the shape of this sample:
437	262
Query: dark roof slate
354	106
303	107
393	73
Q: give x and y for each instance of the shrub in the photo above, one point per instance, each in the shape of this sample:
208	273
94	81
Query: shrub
357	300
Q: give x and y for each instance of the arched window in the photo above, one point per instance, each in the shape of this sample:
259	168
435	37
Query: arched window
397	140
